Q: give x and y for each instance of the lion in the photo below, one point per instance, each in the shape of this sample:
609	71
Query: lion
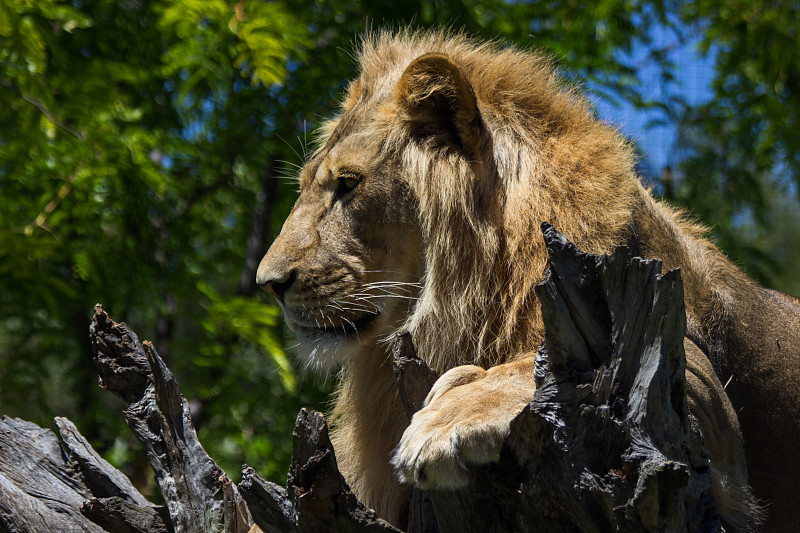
420	211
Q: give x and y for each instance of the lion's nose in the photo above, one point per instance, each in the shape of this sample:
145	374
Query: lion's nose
276	283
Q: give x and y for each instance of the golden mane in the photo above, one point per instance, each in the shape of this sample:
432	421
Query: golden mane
478	306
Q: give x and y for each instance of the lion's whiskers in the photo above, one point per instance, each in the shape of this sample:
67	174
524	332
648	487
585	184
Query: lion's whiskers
354	327
348	309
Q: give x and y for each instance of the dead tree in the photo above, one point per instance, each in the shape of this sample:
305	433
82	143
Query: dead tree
607	444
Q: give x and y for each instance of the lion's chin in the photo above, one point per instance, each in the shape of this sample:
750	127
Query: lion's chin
323	349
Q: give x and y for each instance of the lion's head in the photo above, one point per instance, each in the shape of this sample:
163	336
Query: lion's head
346	265
419	208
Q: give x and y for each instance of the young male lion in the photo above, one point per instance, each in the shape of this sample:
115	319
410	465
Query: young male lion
421	210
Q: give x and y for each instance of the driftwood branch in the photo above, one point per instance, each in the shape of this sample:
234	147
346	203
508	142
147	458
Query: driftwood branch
52	485
317	497
47	484
198	494
606	444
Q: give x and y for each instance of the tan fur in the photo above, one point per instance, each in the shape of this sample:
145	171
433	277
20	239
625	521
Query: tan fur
459	151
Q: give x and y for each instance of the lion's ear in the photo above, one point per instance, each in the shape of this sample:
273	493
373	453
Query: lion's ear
436	99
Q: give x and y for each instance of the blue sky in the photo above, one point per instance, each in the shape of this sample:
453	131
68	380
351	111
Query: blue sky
694	73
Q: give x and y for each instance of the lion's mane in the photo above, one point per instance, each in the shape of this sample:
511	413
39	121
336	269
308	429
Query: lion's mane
552	160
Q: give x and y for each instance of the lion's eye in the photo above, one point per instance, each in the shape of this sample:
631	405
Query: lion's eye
346	184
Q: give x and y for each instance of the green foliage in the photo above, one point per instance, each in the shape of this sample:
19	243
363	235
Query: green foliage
249	320
215	36
130	162
739	152
144	147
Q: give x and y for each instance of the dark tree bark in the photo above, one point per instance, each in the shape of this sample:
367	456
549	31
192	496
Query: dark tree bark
52	485
198	494
607	443
317	498
257	240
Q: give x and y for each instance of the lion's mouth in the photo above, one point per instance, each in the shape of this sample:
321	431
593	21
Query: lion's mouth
343	327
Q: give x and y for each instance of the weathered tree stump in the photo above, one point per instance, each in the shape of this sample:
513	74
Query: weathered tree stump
198	494
52	485
66	486
607	444
317	498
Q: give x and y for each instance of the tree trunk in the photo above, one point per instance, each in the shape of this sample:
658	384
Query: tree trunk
607	444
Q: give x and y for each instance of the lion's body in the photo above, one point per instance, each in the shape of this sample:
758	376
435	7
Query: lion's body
463	195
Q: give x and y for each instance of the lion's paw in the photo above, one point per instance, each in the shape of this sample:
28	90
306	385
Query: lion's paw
464	422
